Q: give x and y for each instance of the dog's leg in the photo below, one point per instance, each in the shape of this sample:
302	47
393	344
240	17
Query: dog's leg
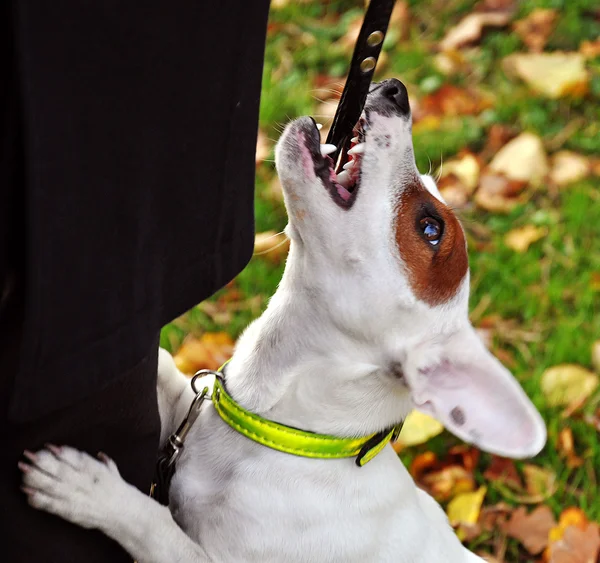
92	494
175	394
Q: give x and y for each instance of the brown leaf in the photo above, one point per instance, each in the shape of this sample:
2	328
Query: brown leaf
590	49
522	159
531	529
566	447
466	168
540	483
271	245
566	383
577	545
503	470
497	193
569	167
470	28
263	147
450	100
522	238
535	29
553	75
210	351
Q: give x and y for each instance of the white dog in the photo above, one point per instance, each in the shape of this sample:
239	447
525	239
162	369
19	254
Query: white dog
369	321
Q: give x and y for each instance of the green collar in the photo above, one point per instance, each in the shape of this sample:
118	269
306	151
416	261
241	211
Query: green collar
293	441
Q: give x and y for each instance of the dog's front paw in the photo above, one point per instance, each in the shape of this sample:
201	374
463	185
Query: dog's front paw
73	485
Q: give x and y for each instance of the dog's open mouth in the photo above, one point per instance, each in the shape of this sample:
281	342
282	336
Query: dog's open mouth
342	178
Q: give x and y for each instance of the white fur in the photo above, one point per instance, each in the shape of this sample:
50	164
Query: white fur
323	357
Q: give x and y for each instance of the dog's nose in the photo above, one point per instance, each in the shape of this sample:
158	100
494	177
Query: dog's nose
391	93
396	92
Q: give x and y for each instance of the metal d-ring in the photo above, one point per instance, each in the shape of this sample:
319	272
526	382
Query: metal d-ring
202	373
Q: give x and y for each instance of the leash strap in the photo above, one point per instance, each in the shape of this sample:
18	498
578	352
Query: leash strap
362	67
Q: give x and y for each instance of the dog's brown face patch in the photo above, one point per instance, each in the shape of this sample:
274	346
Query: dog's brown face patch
436	269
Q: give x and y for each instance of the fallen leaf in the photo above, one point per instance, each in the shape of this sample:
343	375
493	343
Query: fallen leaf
535	29
454	192
448	482
531	529
568	167
464	508
522	238
210	351
540	483
263	147
578	543
497	193
522	159
494	516
596	355
590	49
566	383
418	428
450	100
553	75
466	168
503	470
271	245
566	447
470	28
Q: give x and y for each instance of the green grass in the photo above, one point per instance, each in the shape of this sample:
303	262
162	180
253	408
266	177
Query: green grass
548	290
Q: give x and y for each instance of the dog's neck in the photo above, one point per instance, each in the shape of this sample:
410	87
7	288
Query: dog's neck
294	366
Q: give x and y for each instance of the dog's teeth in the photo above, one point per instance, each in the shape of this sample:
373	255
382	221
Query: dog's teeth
344	178
354	140
357	149
319	126
328	149
348	165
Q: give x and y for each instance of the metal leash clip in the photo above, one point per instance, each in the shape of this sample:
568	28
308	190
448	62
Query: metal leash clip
165	465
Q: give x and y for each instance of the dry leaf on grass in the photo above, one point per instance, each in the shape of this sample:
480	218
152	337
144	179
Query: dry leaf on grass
450	100
554	75
522	238
522	159
470	28
503	470
569	167
497	193
574	539
596	355
540	485
535	29
466	168
418	428
463	510
531	529
567	383
271	246
566	448
590	49
263	147
210	351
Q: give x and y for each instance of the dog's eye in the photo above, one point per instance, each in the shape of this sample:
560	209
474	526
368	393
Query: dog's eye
432	230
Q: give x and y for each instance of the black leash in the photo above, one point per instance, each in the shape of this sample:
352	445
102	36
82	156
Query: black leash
364	60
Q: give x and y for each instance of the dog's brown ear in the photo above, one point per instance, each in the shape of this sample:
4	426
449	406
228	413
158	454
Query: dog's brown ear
476	397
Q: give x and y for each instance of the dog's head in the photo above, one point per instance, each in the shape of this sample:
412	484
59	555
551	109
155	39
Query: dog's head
388	258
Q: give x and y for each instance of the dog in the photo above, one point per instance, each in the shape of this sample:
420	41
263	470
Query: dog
370	320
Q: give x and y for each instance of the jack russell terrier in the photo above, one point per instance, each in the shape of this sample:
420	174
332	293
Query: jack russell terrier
369	321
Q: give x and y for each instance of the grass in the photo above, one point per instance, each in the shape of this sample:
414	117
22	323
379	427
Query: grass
549	291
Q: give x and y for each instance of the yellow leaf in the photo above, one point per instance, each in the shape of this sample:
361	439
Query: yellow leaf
596	355
465	168
553	74
523	158
465	507
273	246
520	239
567	383
569	167
418	428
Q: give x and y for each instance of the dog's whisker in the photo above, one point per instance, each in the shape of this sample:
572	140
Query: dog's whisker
284	241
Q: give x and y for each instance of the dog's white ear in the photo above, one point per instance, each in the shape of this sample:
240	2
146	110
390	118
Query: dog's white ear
461	384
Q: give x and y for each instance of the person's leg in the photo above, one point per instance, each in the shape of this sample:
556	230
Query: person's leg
121	420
